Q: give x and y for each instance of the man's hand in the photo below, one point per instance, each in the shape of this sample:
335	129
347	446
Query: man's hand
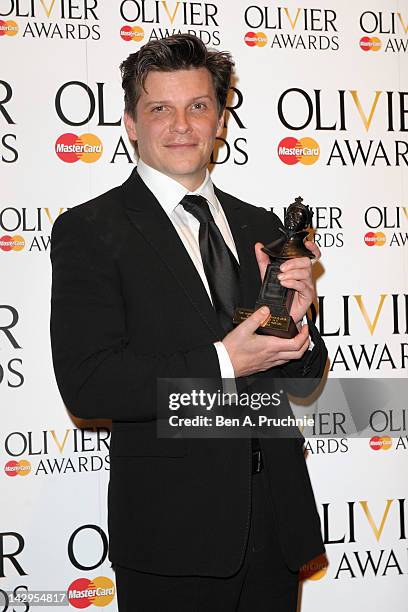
250	352
295	274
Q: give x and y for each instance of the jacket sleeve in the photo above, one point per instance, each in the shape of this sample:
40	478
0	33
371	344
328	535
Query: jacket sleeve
300	377
303	376
99	372
313	362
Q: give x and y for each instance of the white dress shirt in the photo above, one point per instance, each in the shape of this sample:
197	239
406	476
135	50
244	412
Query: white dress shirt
169	194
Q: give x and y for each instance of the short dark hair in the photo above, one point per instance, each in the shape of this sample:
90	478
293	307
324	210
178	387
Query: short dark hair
177	52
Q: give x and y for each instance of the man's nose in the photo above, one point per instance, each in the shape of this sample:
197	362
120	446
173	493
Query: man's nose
180	122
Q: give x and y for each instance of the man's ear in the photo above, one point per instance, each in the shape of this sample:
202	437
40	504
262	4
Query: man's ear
130	126
220	126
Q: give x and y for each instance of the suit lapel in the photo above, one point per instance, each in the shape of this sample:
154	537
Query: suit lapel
151	221
240	226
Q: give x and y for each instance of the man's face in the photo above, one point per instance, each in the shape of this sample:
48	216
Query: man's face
176	124
297	218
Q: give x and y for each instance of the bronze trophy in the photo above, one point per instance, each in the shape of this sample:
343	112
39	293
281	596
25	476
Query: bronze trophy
272	294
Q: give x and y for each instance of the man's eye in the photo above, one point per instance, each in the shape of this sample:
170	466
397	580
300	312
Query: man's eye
158	109
199	105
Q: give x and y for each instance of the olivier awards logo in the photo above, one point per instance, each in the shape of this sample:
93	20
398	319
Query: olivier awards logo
391	26
334	111
294	28
390	224
62	20
54	453
145	21
36	223
340	317
361	521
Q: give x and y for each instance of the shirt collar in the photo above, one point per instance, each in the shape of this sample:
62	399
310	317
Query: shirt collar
170	192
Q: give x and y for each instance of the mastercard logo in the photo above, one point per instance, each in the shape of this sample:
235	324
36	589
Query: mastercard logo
315	569
12	243
8	28
304	151
84	592
383	443
368	43
128	33
255	39
70	148
374	239
17	468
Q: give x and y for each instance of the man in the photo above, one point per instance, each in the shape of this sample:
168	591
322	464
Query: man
209	524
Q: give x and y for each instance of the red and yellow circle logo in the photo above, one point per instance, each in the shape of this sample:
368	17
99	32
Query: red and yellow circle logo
12	243
368	43
315	569
83	592
128	33
8	28
304	151
374	239
17	468
255	39
70	148
380	443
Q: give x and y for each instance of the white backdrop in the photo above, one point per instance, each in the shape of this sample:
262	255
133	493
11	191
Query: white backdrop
330	71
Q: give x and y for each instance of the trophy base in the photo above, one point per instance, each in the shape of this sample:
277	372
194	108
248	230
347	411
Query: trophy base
280	325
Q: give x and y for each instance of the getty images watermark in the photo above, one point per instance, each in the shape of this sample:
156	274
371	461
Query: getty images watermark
207	401
282	408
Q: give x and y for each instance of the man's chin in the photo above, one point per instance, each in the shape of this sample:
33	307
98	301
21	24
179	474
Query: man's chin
186	170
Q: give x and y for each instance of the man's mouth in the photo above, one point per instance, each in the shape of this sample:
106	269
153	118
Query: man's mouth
177	145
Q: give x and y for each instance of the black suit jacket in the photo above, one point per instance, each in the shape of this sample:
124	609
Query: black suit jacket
128	307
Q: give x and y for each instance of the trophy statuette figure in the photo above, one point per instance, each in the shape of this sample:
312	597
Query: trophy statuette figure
279	299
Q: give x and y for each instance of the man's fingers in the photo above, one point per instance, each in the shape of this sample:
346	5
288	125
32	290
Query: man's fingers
297	263
250	352
295	354
288	346
298	274
251	324
262	259
312	246
298	286
290	349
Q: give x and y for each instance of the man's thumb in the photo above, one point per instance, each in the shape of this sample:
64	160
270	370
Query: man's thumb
251	324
